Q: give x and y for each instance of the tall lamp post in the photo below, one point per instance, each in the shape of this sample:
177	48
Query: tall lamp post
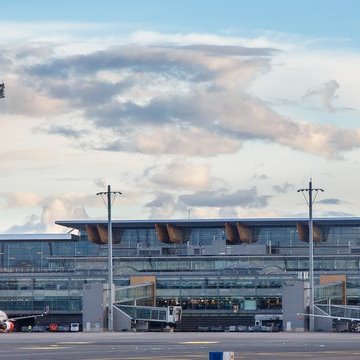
310	201
110	195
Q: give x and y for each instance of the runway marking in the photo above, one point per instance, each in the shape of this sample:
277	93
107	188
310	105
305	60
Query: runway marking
198	342
50	347
74	342
176	357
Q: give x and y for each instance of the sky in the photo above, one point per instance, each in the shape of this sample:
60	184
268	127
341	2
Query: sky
201	109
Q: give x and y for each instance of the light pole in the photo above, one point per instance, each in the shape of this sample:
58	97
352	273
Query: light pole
2	90
311	250
110	197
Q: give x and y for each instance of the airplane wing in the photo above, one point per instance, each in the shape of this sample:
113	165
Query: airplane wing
25	317
46	311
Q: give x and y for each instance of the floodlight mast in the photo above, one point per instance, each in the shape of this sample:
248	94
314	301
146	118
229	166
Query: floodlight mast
311	252
109	201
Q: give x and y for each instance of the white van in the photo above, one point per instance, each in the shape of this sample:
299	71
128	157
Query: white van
74	327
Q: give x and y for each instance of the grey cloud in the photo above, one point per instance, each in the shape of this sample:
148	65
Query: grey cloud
161	200
330	201
336	214
115	114
36	224
221	198
228	212
180	174
34	51
165	206
192	141
133	58
260	177
100	183
229	114
86	93
31	225
282	189
230	50
324	95
65	131
114	146
159	111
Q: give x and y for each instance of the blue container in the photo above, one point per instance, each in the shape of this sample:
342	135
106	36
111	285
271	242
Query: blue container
216	356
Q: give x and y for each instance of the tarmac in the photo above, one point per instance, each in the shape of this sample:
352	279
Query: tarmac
178	346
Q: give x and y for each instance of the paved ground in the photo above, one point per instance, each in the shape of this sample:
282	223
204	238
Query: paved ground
178	346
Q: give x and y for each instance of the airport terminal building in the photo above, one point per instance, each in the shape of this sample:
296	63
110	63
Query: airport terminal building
222	272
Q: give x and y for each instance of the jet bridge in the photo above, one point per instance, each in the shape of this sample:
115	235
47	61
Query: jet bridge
130	309
128	317
330	309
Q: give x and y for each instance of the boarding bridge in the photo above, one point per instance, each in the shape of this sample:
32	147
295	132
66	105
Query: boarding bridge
329	316
133	294
339	312
127	312
329	292
169	315
129	317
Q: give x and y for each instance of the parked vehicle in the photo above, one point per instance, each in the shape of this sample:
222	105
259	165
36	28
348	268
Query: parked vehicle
74	327
63	328
53	327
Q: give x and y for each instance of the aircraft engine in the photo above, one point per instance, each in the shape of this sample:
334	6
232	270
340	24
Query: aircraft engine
6	326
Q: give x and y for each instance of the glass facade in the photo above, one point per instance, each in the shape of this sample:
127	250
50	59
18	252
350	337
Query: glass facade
219	266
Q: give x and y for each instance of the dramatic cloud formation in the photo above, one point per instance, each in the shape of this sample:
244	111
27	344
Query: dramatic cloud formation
178	122
159	99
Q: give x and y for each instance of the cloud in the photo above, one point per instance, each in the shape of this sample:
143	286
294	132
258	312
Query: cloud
100	182
55	209
260	177
164	206
336	214
65	131
330	201
180	174
221	198
177	141
66	206
230	50
21	199
145	59
323	96
31	225
180	99
283	189
206	204
26	99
